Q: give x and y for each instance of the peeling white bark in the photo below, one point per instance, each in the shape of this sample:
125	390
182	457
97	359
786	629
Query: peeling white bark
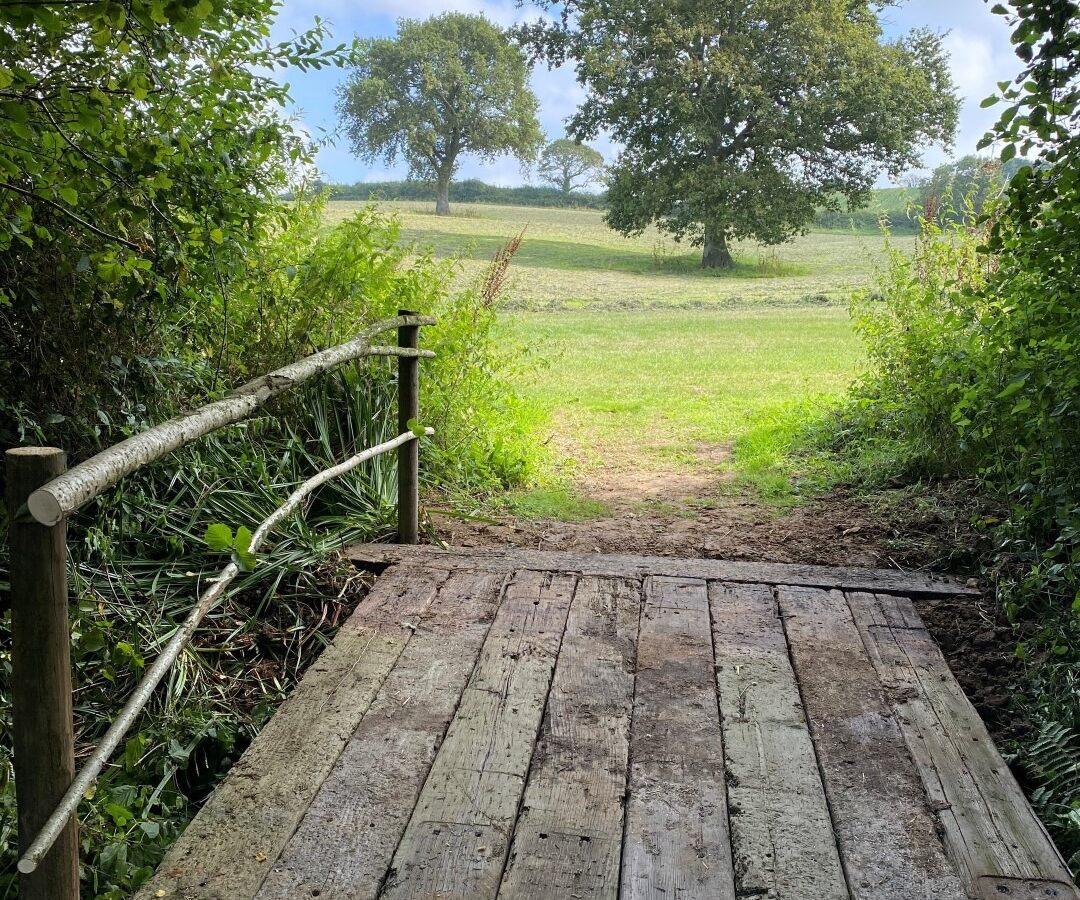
81	484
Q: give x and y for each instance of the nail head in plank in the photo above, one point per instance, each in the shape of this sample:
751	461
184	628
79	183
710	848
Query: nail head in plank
886	832
626	566
781	832
226	851
568	838
989	826
676	842
456	842
345	843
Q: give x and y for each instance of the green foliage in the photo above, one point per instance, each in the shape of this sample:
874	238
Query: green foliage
140	157
956	191
220	537
740	119
570	165
141	552
147	264
449	85
975	344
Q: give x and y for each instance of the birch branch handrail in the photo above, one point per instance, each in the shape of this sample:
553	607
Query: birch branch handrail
50	503
40	496
56	823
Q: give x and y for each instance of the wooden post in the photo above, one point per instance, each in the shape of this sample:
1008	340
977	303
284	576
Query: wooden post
44	741
408	454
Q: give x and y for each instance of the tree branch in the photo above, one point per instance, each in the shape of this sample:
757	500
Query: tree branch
8	186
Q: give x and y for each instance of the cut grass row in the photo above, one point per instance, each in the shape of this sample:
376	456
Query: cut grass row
571	260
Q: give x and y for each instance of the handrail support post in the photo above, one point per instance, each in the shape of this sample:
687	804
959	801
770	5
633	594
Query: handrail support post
409	453
44	742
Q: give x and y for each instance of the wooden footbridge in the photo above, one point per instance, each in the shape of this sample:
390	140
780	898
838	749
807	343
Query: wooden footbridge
548	725
543	725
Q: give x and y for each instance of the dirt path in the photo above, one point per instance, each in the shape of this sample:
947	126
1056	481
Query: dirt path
692	513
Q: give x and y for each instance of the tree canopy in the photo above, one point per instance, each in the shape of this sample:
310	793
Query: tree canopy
442	87
960	189
739	118
570	165
141	157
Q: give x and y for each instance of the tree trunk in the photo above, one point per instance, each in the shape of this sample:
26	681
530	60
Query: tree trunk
442	196
566	186
715	254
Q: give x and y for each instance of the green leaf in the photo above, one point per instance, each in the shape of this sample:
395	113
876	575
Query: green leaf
242	546
416	428
989	101
70	195
6	77
218	537
217	236
1012	387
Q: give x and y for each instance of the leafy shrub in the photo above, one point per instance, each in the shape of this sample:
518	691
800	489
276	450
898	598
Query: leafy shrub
975	346
138	554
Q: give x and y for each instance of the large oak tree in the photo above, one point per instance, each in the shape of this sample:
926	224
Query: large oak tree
739	118
444	86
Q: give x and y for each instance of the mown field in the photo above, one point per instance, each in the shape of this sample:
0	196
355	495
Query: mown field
571	260
644	360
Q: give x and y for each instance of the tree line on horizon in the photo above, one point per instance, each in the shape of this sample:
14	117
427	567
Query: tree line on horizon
953	192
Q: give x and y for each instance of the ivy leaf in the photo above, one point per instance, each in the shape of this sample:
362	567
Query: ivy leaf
218	537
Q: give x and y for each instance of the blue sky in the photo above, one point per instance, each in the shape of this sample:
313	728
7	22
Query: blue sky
978	43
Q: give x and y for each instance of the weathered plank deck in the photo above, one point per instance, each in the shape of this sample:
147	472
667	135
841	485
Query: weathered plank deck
553	725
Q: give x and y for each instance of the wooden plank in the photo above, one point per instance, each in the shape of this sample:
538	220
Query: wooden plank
989	827
347	839
568	838
623	566
229	847
676	842
885	829
458	838
781	832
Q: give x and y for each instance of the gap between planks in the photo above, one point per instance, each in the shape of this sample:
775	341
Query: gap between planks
853	578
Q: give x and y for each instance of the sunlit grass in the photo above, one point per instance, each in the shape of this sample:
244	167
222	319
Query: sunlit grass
571	260
652	363
659	385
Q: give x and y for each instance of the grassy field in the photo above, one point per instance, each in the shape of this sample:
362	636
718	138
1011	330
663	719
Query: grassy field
652	364
571	260
660	389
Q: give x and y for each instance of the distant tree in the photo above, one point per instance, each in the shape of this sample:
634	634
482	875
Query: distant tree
445	86
955	189
570	165
739	118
